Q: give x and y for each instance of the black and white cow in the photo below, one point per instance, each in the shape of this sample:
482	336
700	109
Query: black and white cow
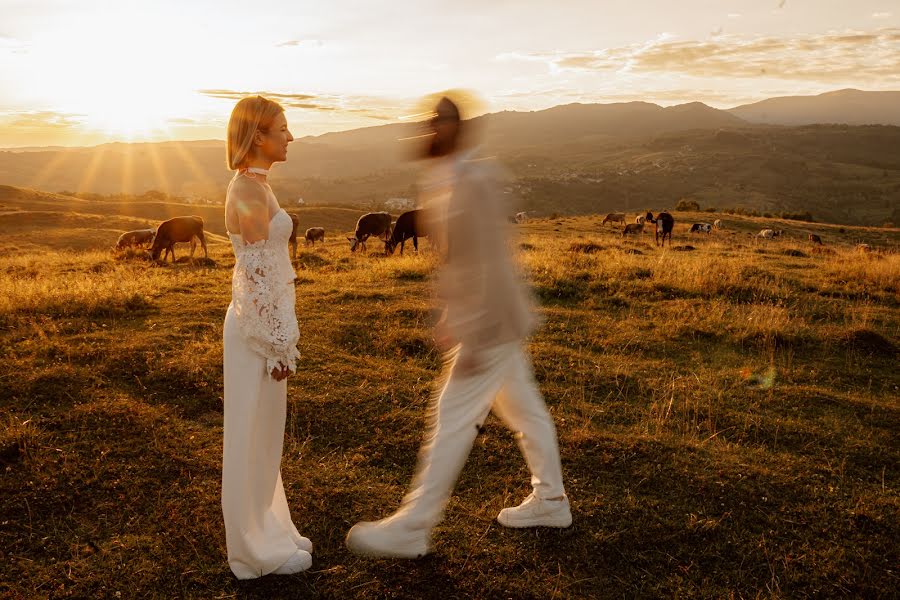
665	223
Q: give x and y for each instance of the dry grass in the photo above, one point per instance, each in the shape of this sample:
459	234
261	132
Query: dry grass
728	422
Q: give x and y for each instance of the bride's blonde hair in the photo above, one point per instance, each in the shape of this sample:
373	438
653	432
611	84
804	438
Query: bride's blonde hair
249	114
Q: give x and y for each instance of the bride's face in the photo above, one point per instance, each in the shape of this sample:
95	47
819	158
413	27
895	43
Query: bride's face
273	142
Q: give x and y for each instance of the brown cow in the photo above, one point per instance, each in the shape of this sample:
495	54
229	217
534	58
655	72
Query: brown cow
614	218
138	237
292	241
633	228
315	234
175	230
814	239
377	224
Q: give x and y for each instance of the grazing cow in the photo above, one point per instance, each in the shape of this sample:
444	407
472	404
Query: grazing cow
767	234
701	228
175	230
633	228
640	220
315	234
665	223
717	223
614	218
814	239
521	217
138	237
410	224
368	225
384	237
863	248
292	240
648	218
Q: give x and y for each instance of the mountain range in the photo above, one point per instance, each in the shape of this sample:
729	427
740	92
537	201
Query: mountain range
836	155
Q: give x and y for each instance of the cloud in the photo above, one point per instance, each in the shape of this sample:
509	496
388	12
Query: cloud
185	121
294	43
12	44
835	57
41	120
882	15
370	107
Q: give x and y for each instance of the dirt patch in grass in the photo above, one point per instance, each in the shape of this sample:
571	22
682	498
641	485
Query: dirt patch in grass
869	342
586	247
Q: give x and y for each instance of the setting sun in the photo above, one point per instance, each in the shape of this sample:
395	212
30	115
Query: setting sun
167	70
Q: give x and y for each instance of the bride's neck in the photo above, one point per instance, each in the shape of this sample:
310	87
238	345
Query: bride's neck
259	163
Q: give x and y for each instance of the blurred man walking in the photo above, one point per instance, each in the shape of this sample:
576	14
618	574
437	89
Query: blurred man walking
487	315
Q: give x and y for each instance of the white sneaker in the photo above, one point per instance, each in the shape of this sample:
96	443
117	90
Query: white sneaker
535	512
300	561
388	538
305	544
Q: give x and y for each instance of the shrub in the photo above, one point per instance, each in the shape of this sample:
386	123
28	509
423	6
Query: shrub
802	216
685	204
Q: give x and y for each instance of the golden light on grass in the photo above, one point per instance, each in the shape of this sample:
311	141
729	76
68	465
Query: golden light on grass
736	399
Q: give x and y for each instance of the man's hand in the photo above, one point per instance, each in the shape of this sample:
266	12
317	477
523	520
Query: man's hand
469	364
443	339
280	372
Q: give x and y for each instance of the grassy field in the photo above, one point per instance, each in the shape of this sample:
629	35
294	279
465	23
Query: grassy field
728	418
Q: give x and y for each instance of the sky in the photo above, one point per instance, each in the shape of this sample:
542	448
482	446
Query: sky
86	72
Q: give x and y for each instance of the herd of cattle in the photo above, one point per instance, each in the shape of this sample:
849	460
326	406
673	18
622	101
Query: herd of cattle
408	226
665	224
189	229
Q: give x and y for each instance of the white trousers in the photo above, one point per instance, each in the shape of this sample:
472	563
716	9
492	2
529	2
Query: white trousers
505	384
259	533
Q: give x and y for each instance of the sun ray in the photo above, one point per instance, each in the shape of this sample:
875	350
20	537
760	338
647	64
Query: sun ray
127	171
161	178
48	170
206	182
90	172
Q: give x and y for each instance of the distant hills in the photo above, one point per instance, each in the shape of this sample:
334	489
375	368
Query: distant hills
847	107
570	159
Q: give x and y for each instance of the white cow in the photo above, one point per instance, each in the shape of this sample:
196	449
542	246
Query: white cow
717	224
521	217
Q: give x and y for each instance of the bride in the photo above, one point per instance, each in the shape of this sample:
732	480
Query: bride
260	338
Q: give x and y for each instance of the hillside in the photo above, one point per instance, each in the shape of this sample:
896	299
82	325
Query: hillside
727	414
847	107
34	219
840	174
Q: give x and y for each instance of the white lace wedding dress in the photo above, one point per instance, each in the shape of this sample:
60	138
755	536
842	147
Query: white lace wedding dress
260	331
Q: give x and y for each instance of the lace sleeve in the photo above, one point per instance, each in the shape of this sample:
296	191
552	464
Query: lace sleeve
264	307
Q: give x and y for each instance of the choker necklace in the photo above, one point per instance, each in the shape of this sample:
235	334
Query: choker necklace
253	171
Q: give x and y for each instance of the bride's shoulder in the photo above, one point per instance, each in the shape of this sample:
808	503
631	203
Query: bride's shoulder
245	187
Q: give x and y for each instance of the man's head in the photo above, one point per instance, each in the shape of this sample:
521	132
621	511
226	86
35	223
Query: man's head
448	124
444	127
